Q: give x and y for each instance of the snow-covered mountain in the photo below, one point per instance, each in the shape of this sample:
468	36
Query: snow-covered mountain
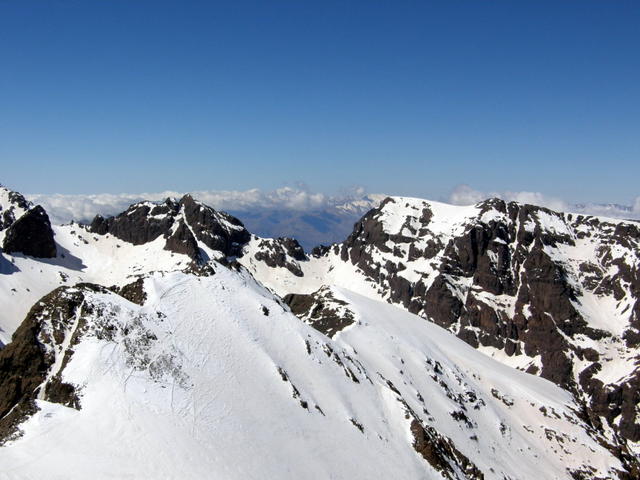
168	341
553	294
311	218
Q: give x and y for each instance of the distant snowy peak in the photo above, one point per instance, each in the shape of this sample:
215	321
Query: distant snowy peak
610	210
323	225
361	205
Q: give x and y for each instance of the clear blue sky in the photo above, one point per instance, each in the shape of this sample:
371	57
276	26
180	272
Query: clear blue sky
401	97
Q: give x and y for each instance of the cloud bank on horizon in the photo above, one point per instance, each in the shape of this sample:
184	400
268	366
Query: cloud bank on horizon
63	208
466	195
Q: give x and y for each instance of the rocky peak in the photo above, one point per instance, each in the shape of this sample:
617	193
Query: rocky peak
522	280
26	363
31	234
219	231
283	252
12	206
141	223
188	227
322	309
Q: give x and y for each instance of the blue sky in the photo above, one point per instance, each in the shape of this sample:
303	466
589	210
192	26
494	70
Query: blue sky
403	97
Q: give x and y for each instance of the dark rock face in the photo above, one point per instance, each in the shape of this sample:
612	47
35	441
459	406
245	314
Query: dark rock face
281	253
140	223
320	250
47	338
26	362
442	304
183	241
134	291
368	231
31	235
440	452
23	366
217	230
321	310
182	223
508	277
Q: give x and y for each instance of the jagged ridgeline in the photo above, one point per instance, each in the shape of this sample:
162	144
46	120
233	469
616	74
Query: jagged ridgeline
498	341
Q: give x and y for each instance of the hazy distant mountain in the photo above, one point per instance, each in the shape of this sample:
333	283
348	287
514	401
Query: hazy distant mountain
311	228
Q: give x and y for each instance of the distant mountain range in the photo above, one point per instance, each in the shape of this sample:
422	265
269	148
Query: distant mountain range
313	219
490	341
311	228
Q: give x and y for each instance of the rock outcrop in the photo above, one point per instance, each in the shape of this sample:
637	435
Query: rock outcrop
281	252
31	234
26	363
322	310
183	225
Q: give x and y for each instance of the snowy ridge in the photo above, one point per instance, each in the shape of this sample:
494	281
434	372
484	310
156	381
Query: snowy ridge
550	293
211	355
82	257
245	393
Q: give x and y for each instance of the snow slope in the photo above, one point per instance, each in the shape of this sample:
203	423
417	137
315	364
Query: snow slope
213	378
82	257
550	293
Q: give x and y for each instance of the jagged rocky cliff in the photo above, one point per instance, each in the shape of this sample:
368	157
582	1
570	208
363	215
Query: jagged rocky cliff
558	289
183	224
553	294
24	228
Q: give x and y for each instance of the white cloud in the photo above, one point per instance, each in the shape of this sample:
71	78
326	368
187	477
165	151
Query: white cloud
466	195
64	208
